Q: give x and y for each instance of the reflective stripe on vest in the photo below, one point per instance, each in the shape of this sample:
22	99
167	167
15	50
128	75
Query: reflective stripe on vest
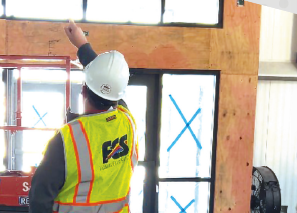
134	153
115	207
99	163
84	162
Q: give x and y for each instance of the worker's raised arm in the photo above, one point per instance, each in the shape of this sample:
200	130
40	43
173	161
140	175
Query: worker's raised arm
76	36
85	52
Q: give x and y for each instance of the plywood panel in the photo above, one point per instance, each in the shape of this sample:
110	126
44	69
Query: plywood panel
100	36
144	47
235	143
2	37
37	38
162	47
235	49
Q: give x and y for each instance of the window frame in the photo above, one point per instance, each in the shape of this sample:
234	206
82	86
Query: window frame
152	164
14	122
162	24
153	130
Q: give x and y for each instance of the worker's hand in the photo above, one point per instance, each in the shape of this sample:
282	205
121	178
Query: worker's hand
75	34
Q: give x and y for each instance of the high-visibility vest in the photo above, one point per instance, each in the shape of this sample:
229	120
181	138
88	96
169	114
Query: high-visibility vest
100	155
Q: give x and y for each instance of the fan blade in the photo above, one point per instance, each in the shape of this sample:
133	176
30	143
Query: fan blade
256	183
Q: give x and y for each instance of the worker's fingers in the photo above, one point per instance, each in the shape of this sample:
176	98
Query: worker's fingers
75	34
72	25
80	30
67	31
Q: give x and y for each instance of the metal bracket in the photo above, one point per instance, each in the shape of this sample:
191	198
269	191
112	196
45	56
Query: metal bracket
86	33
240	3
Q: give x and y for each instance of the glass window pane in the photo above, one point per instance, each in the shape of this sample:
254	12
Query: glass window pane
135	11
43	98
192	11
43	106
34	143
27	147
136	193
77	79
179	196
45	9
43	76
135	98
187	125
2	150
2	118
1	10
43	109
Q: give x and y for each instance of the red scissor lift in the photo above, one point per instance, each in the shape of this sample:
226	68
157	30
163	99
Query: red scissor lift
15	185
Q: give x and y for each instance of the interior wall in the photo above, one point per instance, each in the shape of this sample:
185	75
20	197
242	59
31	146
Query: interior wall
276	135
234	50
278	41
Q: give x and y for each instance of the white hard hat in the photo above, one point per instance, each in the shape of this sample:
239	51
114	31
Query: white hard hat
108	75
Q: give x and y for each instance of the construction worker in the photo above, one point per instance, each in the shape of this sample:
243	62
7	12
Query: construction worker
88	164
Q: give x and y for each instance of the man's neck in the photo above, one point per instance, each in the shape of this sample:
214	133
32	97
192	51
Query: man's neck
91	109
94	111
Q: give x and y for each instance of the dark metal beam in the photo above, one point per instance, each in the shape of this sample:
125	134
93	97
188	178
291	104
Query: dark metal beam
4	8
277	78
85	7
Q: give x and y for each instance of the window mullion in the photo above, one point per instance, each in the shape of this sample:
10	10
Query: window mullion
162	11
85	7
4	8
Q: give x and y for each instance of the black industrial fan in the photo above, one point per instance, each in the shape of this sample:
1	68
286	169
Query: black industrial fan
266	196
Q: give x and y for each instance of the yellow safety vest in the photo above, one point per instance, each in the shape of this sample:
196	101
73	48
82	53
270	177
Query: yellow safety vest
101	151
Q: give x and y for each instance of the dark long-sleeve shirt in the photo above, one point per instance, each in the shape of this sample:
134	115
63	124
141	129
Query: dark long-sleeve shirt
49	177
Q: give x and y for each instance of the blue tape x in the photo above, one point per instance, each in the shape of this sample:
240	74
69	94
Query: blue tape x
40	118
183	210
186	127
